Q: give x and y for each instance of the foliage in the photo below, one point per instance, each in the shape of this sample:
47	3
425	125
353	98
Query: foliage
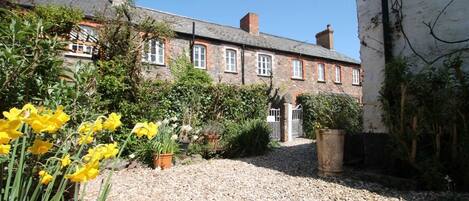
185	73
250	138
426	112
334	111
45	160
30	58
60	19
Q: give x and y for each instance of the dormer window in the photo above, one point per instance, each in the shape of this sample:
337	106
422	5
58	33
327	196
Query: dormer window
83	40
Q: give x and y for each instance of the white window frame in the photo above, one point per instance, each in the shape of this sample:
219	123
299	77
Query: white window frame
200	60
321	72
265	69
229	66
79	46
297	67
356	76
338	74
158	55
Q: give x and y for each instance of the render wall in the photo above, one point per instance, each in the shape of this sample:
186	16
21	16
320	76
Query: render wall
452	25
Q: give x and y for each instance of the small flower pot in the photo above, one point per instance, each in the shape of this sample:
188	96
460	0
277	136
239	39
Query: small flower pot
330	151
212	140
164	161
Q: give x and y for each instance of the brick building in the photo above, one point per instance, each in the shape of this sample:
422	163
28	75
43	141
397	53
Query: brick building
233	55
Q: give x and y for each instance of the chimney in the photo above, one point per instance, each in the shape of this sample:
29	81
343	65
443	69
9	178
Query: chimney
250	23
326	38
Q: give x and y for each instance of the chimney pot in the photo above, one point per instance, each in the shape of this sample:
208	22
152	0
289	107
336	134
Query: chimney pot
250	23
326	38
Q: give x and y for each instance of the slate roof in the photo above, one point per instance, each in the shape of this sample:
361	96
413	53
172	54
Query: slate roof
205	29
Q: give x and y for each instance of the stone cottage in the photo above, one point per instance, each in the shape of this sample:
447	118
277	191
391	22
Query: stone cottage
235	55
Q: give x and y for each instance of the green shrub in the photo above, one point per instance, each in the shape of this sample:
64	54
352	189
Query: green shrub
335	111
30	58
249	138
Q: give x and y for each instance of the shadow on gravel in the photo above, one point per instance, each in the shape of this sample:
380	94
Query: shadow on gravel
301	161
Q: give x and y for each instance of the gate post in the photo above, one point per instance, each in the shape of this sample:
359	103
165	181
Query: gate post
286	119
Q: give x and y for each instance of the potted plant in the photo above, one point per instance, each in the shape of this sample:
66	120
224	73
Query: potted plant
212	133
164	147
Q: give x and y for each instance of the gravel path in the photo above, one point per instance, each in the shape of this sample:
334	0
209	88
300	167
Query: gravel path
287	173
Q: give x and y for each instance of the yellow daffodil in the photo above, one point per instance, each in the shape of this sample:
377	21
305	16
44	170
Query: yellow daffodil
85	139
65	161
4	138
60	117
145	128
140	129
11	128
48	122
85	128
45	177
110	150
104	151
29	108
40	147
112	122
13	114
86	173
98	125
152	130
4	149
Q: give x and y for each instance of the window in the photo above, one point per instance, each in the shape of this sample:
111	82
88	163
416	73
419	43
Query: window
230	60
356	76
200	58
153	52
321	72
83	41
297	69
337	74
264	65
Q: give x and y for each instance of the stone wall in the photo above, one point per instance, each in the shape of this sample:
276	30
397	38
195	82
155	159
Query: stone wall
282	68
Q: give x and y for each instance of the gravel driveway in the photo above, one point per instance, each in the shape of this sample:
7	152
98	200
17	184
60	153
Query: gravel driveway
287	173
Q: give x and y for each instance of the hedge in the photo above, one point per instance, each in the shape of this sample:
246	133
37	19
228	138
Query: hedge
337	111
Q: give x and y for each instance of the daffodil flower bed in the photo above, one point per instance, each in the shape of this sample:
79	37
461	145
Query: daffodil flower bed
41	159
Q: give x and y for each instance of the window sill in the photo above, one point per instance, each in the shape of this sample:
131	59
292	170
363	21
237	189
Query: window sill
358	85
298	78
321	81
259	75
231	72
338	83
72	54
154	64
201	68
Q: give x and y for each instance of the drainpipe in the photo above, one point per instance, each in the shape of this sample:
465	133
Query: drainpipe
242	64
386	31
191	45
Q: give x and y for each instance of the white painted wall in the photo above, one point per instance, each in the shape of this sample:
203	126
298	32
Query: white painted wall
453	25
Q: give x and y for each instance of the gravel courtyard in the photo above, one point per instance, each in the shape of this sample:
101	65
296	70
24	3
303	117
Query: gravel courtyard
286	173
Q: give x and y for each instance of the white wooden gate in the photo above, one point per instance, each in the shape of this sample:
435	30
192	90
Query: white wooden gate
297	122
274	121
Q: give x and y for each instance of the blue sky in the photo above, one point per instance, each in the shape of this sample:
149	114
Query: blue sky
296	19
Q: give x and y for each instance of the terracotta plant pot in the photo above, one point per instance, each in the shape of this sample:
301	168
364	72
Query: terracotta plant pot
164	161
212	140
330	150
